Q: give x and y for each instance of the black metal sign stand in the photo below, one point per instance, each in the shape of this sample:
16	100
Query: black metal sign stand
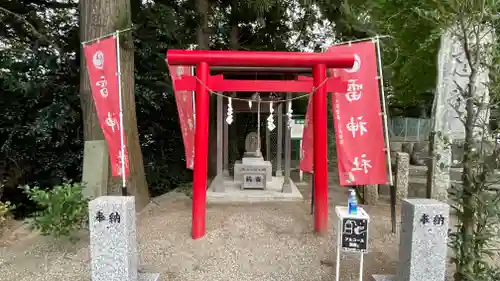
352	235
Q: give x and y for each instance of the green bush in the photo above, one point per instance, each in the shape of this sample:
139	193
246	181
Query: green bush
5	212
63	209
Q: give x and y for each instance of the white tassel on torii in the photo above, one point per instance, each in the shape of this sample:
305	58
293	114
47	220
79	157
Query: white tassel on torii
270	119
229	118
289	115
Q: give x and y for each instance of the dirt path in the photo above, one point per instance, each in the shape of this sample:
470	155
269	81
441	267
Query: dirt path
243	242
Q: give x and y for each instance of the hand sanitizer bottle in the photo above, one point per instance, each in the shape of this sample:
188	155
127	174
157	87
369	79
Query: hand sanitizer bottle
352	203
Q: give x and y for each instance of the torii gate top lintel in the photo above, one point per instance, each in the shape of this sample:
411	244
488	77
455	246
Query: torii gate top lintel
259	58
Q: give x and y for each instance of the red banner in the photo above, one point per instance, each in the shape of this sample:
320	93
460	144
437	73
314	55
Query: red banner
358	119
306	162
185	108
100	57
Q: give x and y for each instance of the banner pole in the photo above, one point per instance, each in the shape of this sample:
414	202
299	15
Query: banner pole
360	40
384	107
122	129
106	35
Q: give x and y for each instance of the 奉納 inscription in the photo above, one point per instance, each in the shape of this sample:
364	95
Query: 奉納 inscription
114	217
437	220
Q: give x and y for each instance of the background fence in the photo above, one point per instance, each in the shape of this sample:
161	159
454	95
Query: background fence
409	129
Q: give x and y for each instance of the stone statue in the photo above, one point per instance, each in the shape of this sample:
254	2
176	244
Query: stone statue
252	148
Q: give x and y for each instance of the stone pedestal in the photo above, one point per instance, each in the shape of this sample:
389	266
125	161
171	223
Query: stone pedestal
253	165
95	168
423	240
113	242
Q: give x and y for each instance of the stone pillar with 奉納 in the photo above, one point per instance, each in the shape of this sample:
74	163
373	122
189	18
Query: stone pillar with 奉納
113	241
423	241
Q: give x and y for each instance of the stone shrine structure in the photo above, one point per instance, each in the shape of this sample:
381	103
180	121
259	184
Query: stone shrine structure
263	172
423	241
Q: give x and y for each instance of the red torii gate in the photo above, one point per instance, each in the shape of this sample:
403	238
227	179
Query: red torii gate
318	62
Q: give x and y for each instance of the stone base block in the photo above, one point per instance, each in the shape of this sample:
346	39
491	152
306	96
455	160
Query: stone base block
252	165
386	277
273	193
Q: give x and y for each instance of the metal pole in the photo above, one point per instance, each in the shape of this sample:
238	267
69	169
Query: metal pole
384	106
301	173
200	152
361	261
107	35
312	195
339	245
122	129
392	189
320	149
258	126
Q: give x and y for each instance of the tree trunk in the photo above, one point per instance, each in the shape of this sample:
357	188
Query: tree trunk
470	190
202	39
98	18
202	33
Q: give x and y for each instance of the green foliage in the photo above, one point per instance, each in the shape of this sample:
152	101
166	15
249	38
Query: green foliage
5	212
63	209
41	135
476	203
410	59
477	208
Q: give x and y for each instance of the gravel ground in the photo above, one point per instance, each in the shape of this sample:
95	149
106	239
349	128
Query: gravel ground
243	242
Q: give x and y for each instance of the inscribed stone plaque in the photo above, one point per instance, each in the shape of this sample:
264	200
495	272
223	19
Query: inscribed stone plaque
422	247
95	168
254	180
113	238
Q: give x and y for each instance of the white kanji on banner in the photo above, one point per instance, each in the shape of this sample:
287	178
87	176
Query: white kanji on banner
356	125
112	121
361	164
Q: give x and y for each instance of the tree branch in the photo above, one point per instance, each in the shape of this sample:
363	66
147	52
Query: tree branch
53	4
33	30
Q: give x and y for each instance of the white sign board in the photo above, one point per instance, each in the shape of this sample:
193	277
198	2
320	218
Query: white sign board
297	129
